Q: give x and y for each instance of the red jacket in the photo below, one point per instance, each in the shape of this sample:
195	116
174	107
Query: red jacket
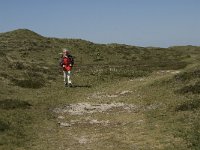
66	64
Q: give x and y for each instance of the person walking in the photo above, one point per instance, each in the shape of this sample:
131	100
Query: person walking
67	64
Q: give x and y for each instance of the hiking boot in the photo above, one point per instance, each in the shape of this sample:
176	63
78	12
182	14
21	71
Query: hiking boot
69	85
66	85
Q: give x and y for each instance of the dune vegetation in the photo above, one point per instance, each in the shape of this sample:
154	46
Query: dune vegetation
123	97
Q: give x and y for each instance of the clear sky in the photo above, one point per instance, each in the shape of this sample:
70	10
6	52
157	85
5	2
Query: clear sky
160	23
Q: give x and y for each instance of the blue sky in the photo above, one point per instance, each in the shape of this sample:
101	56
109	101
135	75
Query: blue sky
160	23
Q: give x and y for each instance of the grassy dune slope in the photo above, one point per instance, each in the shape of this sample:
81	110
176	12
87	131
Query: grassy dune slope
124	97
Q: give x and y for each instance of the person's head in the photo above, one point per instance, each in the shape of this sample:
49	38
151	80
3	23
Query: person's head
65	52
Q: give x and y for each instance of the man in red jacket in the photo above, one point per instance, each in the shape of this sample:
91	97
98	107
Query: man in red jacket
66	64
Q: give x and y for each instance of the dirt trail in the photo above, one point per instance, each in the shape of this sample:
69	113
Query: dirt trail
107	119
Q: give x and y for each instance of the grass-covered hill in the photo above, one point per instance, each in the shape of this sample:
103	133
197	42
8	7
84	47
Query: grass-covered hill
26	54
124	97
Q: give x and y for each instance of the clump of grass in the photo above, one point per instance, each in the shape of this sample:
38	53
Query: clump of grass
30	83
191	132
186	76
188	105
172	65
19	66
32	80
14	104
14	128
2	54
194	89
4	126
3	74
194	136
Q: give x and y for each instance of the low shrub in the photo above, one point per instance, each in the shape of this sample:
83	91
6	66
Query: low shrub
14	104
3	125
34	83
188	105
185	76
194	89
32	80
